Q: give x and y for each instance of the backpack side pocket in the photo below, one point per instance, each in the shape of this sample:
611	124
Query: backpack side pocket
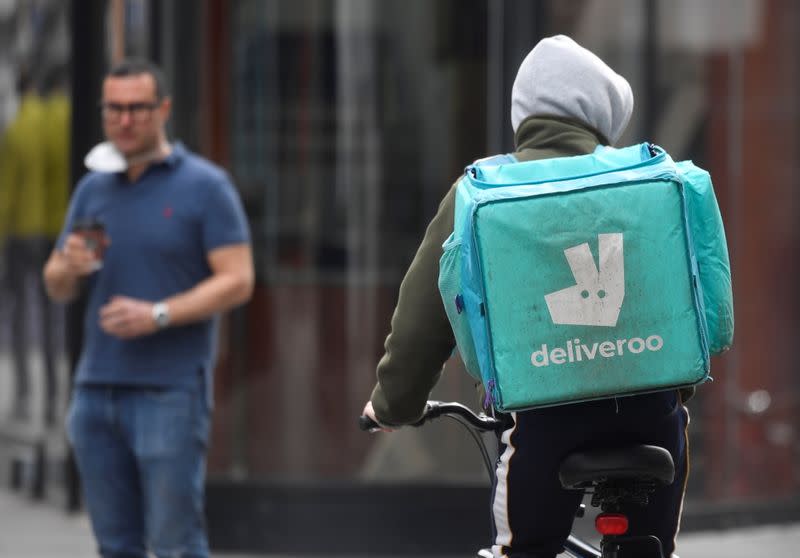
452	297
711	249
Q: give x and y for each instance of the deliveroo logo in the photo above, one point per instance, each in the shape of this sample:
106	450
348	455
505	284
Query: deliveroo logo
596	298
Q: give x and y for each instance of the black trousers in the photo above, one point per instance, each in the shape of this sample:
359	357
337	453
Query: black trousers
533	515
25	258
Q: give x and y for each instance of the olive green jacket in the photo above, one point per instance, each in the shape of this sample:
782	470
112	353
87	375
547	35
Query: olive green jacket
421	340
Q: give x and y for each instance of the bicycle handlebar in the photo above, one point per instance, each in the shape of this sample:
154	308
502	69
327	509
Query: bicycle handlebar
436	409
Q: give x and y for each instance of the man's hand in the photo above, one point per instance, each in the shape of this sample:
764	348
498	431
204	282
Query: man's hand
127	318
370	412
67	267
77	259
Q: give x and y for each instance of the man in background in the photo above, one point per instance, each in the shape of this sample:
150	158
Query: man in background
161	247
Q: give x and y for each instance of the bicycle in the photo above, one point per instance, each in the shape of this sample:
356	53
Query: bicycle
612	476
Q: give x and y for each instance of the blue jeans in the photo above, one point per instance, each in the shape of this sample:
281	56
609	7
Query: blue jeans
141	454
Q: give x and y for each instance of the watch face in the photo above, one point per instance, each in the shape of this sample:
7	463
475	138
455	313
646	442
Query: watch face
161	315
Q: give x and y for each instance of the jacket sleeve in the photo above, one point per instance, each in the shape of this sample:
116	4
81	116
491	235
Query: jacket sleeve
420	340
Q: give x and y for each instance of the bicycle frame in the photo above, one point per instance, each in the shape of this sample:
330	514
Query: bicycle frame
475	424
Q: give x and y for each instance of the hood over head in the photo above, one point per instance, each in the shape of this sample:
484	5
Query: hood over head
561	78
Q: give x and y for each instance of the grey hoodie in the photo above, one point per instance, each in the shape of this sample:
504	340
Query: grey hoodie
561	78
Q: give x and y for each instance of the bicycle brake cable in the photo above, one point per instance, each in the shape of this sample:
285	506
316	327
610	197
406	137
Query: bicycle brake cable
487	461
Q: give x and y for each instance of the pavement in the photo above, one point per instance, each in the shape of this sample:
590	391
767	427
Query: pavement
39	529
31	529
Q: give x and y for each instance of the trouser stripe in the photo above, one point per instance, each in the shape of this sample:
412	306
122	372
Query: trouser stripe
500	505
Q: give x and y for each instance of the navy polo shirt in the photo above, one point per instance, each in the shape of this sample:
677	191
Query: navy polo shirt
161	229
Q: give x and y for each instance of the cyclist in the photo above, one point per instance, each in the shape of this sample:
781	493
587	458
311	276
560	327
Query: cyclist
565	101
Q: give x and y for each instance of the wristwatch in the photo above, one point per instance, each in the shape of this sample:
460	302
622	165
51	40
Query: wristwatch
161	314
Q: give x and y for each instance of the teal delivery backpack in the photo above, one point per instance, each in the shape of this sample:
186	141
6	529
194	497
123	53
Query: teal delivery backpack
578	278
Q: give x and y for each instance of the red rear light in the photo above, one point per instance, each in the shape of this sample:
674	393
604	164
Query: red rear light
611	524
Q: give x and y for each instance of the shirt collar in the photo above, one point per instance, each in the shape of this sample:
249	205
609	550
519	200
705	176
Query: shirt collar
176	155
172	160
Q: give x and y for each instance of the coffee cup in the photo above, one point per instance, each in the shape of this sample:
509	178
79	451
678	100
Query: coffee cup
94	234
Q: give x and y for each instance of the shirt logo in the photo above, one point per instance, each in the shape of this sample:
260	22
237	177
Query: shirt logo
596	298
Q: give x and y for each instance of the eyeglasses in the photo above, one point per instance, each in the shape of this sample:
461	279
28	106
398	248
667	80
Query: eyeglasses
140	112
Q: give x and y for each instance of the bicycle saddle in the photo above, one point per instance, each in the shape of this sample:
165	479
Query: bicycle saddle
581	468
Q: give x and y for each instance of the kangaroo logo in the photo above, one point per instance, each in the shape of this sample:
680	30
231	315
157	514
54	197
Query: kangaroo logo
596	298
